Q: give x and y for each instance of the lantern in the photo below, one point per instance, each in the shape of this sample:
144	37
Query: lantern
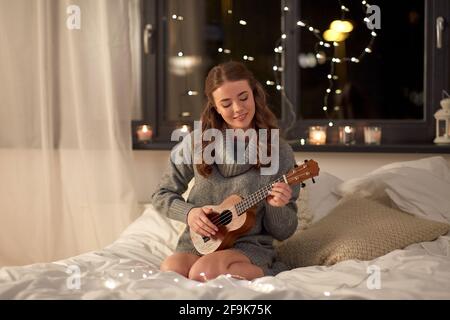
443	123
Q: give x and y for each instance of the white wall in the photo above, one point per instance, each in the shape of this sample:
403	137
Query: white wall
150	165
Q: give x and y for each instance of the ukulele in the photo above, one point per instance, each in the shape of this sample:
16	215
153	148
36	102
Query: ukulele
236	216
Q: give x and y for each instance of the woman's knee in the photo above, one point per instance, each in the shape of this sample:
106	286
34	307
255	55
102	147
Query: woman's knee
205	269
179	262
215	264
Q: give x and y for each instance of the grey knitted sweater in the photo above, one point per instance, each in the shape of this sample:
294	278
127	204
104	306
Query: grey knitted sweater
227	179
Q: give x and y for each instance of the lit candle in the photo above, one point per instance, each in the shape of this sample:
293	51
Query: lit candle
317	135
144	133
347	135
372	135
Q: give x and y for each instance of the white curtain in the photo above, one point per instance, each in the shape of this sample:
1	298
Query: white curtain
66	101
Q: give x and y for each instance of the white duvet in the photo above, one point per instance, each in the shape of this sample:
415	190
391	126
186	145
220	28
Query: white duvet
128	269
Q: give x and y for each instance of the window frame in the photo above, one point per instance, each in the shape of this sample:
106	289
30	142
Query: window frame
436	70
395	132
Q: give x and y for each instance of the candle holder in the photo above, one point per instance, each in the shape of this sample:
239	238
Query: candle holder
347	135
372	135
317	135
144	133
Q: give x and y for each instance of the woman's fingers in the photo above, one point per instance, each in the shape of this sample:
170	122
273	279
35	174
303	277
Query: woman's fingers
207	225
280	193
203	226
208	222
201	230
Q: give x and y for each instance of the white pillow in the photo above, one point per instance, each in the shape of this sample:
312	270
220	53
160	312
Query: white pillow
420	193
318	198
436	166
419	187
371	184
154	230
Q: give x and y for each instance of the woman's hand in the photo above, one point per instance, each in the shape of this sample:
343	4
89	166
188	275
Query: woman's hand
199	222
279	195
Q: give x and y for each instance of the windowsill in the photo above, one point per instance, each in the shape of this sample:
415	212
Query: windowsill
387	148
297	147
154	146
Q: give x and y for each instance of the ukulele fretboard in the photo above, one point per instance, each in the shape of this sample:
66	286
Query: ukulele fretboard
255	198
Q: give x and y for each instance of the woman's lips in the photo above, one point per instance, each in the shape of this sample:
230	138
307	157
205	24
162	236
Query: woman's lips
241	117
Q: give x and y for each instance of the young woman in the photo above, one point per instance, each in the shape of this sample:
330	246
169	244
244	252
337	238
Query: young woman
235	100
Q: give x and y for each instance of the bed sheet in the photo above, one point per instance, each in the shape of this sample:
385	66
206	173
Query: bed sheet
128	269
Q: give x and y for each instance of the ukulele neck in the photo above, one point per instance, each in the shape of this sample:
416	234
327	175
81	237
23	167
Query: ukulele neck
256	197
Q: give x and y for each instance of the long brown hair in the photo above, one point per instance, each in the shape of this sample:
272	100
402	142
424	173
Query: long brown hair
263	119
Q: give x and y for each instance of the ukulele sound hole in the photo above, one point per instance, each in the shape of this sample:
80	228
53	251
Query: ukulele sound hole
221	220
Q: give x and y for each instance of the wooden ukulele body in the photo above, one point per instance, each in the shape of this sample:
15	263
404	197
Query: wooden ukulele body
227	234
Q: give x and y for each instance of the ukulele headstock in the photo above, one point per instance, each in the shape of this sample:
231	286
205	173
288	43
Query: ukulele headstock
307	170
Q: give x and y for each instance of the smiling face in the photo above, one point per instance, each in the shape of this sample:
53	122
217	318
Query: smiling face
235	103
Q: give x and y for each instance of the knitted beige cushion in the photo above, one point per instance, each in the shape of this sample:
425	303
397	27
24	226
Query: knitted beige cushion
304	215
357	228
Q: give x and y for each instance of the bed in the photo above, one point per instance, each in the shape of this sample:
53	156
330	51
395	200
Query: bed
128	268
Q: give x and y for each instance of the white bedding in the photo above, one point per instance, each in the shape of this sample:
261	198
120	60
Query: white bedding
128	269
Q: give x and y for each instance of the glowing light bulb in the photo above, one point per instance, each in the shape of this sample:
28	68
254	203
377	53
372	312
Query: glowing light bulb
180	54
330	124
341	26
243	22
184	128
110	284
335	36
301	23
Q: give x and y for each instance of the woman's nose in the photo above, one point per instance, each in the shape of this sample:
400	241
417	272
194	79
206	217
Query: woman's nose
237	106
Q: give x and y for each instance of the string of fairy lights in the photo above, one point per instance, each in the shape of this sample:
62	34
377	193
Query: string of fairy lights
338	32
324	52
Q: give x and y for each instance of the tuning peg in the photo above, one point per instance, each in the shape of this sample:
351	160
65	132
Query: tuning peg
305	161
303	185
314	181
296	165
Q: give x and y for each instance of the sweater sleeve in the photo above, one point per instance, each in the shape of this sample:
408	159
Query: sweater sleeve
281	222
167	198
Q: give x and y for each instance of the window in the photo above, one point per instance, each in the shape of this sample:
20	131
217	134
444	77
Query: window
396	85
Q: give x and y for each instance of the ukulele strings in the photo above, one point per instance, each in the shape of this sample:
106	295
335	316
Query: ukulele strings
220	219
